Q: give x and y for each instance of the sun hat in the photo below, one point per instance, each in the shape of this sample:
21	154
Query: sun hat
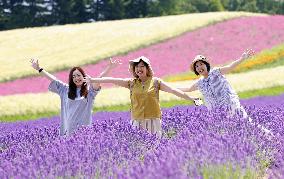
137	60
196	59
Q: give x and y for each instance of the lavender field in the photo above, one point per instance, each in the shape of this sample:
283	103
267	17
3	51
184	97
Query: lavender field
194	144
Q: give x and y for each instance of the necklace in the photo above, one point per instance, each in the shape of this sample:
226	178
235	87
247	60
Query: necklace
143	84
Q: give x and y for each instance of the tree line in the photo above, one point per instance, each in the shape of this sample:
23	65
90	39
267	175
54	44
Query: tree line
31	13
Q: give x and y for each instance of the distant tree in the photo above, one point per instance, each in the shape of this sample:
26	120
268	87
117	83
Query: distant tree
79	11
281	8
225	3
62	11
29	13
3	19
114	9
249	5
136	8
162	7
185	6
96	9
233	5
215	5
270	6
201	5
21	13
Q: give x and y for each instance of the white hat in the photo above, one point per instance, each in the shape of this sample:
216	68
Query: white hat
196	59
137	60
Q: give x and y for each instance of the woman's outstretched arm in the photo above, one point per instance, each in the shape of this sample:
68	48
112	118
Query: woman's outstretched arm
191	88
112	64
36	66
123	82
228	68
167	88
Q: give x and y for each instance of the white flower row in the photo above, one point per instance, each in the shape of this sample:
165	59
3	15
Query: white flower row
42	102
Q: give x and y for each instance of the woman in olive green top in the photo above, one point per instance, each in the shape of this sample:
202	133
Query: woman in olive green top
144	94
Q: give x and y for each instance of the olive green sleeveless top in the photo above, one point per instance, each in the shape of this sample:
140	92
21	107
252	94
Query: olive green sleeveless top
145	99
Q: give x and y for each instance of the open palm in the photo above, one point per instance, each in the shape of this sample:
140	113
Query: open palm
35	64
247	54
114	63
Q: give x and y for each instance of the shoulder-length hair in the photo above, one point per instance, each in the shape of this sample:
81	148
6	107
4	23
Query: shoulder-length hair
206	64
134	64
73	87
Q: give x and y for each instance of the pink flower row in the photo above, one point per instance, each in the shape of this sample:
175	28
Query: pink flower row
221	42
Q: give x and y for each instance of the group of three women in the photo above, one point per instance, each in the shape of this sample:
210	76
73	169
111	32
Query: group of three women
77	97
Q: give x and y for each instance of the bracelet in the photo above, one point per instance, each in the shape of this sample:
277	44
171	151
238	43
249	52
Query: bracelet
40	70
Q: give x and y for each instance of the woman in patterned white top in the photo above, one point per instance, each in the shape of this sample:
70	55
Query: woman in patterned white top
215	88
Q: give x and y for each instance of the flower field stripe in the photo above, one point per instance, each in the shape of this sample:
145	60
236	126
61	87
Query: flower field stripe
195	144
265	59
62	47
218	41
221	42
262	60
39	103
259	93
251	80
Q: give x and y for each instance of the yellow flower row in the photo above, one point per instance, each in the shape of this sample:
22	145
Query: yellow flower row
263	58
181	77
60	47
37	103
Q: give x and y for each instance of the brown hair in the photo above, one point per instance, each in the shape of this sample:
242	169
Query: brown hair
73	87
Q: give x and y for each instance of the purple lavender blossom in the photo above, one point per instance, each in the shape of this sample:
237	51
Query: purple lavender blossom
193	139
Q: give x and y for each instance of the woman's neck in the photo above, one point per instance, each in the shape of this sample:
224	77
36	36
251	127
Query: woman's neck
205	75
143	79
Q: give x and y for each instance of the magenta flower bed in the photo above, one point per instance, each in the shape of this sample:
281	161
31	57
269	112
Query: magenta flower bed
192	139
222	42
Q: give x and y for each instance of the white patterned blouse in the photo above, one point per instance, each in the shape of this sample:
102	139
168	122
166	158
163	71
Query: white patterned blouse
218	92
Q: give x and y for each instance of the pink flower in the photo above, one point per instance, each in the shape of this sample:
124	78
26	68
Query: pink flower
221	43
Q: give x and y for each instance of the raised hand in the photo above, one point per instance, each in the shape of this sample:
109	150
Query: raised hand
35	64
247	54
198	102
114	63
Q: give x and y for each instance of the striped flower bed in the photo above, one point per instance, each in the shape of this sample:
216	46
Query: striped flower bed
61	47
41	102
221	42
264	59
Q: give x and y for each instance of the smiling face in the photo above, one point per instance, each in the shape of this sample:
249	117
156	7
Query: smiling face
141	69
201	68
77	77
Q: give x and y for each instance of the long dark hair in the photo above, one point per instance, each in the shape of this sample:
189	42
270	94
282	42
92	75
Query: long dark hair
73	87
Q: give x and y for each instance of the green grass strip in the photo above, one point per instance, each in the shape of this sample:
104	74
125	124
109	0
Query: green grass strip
273	91
229	171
